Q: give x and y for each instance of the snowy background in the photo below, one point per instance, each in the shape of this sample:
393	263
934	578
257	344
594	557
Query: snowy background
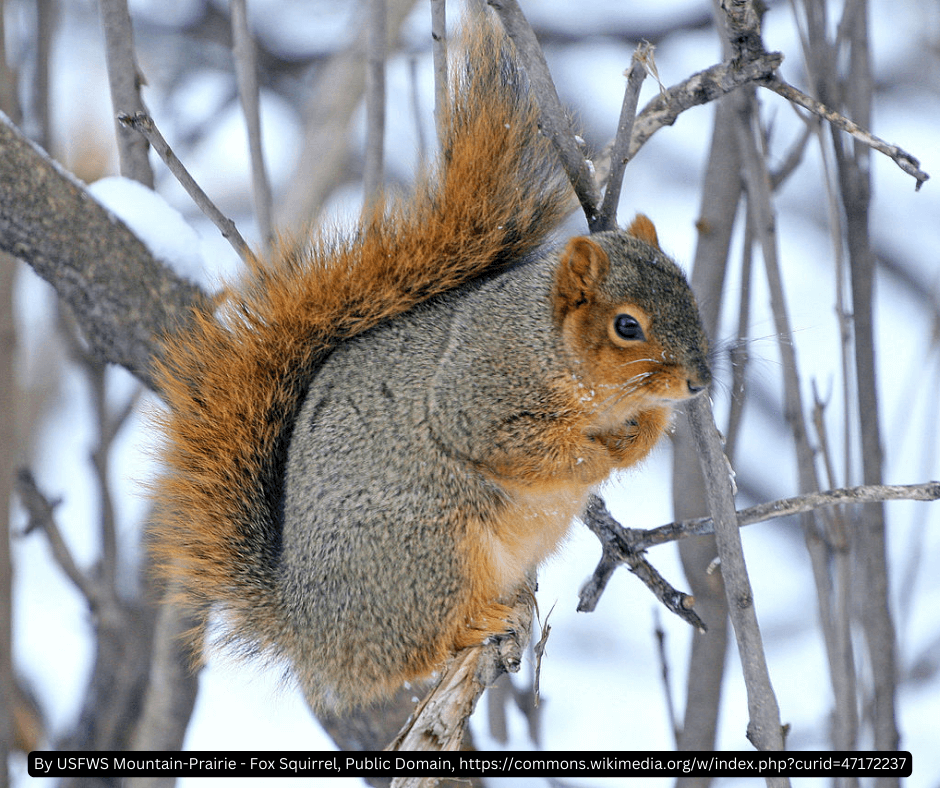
601	678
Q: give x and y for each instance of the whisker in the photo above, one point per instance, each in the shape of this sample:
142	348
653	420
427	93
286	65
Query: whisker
622	390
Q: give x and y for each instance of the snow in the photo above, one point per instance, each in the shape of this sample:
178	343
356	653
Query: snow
162	228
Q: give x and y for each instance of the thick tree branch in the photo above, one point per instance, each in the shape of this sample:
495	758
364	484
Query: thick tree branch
700	88
123	299
440	720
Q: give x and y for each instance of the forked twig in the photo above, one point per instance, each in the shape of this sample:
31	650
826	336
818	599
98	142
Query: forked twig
622	545
41	516
618	546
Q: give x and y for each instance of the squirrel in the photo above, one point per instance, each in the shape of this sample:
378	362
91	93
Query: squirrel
375	438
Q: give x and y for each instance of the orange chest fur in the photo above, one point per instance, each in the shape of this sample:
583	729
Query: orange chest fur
530	526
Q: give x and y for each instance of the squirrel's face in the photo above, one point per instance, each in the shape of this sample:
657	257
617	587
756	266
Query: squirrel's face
624	367
630	324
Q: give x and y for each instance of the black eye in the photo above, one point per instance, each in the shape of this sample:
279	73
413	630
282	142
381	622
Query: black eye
628	327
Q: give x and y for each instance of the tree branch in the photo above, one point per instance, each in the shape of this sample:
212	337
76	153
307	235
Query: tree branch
700	88
439	54
125	79
618	546
902	158
607	220
246	75
440	720
764	729
376	54
640	540
555	122
40	510
144	124
123	299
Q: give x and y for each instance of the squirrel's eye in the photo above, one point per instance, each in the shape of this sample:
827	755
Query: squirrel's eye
628	327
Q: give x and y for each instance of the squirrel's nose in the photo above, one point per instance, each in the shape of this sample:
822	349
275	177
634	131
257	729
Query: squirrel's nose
698	381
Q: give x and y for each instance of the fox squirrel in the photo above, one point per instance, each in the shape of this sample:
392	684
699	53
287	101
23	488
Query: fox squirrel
375	438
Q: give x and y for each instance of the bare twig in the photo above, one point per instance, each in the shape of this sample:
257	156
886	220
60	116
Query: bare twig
246	75
739	351
144	124
660	634
41	516
95	372
555	122
785	507
902	158
617	550
125	80
822	437
793	158
607	218
375	104
539	652
700	88
439	53
623	545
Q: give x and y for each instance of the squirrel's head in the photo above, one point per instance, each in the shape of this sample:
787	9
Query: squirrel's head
627	315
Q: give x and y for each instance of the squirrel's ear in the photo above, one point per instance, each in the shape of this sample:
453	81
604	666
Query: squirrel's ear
581	268
643	228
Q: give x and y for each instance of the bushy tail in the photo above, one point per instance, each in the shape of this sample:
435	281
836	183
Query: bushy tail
234	383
